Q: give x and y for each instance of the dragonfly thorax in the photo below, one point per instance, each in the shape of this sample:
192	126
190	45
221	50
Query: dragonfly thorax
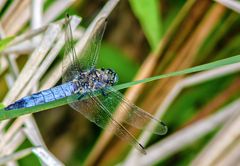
96	79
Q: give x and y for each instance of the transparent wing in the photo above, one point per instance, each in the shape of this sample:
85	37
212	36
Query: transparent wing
97	112
135	116
89	55
69	65
75	63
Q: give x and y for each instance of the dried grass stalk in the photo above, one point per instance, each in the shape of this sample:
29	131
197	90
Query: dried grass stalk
187	136
218	146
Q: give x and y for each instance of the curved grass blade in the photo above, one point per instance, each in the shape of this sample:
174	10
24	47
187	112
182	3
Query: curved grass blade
208	66
16	113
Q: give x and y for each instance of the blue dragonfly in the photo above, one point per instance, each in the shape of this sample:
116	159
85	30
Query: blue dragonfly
82	79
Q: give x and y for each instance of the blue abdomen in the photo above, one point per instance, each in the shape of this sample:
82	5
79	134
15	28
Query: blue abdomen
44	96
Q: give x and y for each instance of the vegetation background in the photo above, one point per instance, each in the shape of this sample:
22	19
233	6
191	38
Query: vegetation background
143	38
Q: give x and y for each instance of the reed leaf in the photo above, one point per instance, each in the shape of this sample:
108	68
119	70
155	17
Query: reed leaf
18	112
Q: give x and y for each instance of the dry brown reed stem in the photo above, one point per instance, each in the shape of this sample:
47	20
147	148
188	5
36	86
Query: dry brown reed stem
43	67
10	132
19	134
36	13
9	145
33	63
186	82
3	124
14	142
24	44
4	65
43	154
15	136
104	13
187	26
27	46
24	37
185	57
216	102
21	44
46	157
30	67
10	59
208	51
220	143
55	9
187	136
15	156
231	156
133	93
57	71
183	60
189	82
11	21
30	129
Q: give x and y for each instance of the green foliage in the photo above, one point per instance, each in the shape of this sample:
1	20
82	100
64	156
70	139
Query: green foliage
147	12
15	113
1	106
231	48
111	57
31	158
4	42
193	99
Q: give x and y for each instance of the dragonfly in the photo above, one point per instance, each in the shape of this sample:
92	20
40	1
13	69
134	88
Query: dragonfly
83	79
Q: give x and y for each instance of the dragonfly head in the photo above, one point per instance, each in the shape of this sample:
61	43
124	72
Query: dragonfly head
110	77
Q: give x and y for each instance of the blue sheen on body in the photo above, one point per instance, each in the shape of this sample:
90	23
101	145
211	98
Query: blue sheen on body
45	96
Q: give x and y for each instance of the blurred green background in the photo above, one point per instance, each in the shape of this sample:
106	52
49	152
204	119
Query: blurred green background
154	37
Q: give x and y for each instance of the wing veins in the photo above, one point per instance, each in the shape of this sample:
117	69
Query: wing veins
70	42
137	114
108	113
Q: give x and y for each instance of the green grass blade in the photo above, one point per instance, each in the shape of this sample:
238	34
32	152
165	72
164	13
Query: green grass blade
147	12
4	42
15	113
207	66
118	60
